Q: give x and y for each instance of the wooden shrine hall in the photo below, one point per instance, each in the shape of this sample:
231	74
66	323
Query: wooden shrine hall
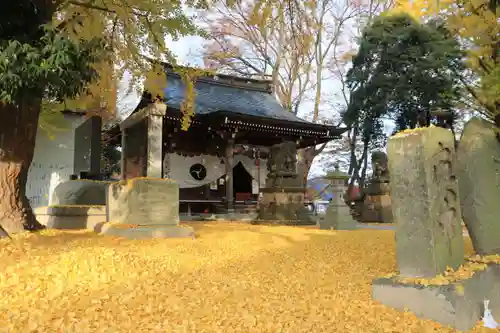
220	161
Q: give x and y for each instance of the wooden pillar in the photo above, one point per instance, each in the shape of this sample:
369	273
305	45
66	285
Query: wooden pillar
229	175
123	154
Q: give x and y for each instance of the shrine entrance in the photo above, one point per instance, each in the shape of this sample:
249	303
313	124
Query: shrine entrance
242	183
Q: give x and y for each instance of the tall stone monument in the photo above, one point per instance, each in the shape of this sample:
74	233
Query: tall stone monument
282	200
425	202
87	155
426	208
478	171
377	201
338	214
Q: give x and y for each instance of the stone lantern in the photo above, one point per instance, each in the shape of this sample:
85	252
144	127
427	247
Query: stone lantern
338	214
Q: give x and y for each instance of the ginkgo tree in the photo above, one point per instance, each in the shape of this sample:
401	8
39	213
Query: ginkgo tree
70	52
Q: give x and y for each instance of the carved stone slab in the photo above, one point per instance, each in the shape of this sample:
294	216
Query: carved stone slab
425	202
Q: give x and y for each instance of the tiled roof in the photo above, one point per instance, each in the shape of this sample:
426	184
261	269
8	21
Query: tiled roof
212	97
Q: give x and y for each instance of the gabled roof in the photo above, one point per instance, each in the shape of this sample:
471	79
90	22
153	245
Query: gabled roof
218	95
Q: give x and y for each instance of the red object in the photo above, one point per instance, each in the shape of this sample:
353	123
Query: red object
243	196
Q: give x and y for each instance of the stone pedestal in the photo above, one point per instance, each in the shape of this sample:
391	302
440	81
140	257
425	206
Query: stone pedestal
284	206
459	305
282	200
478	171
376	206
144	208
425	202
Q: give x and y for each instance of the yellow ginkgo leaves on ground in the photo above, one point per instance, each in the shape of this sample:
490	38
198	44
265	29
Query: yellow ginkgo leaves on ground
231	278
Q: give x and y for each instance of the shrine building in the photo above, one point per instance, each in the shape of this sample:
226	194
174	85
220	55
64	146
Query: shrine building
220	161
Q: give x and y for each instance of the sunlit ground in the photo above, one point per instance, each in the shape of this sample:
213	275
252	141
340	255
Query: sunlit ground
232	278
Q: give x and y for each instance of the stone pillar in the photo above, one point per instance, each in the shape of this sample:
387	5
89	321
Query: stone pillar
229	174
142	140
154	167
425	202
478	171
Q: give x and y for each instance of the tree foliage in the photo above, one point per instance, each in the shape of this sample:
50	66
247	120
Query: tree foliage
475	23
70	54
403	69
52	66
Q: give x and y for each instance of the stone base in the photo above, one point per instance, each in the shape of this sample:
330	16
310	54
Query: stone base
145	201
337	217
284	222
80	192
458	305
71	217
145	232
377	209
286	206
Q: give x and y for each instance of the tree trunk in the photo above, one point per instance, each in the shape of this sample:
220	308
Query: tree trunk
306	157
18	126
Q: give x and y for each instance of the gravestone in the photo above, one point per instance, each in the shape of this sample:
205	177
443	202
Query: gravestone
425	202
282	199
338	214
478	171
87	155
141	208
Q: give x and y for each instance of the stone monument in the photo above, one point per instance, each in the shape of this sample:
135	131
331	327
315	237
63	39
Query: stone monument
338	214
87	156
478	171
141	208
282	200
425	202
376	205
429	240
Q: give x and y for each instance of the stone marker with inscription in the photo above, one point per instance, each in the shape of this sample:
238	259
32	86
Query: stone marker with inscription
478	172
425	202
429	235
144	208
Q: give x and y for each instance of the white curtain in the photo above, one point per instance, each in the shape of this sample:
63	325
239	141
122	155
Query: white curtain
176	167
249	165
